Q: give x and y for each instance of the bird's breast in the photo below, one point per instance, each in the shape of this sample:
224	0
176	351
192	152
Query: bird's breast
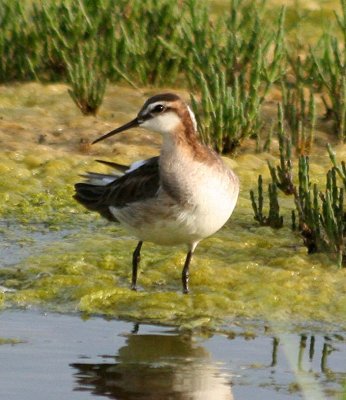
208	192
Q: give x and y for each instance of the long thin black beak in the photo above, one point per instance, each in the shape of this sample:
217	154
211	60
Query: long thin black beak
132	124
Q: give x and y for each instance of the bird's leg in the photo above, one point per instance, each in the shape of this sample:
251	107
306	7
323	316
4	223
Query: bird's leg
185	274
135	328
136	256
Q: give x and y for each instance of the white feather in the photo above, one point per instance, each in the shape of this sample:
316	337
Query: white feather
136	165
193	118
163	123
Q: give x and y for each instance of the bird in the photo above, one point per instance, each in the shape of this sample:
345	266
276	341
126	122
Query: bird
180	197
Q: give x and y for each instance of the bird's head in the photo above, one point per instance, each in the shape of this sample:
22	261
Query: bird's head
163	113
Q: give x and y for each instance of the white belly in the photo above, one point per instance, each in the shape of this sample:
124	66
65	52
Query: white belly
163	221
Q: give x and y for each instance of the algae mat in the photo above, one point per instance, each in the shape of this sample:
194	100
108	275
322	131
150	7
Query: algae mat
57	256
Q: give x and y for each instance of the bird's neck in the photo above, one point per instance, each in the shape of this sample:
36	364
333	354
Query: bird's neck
184	144
181	140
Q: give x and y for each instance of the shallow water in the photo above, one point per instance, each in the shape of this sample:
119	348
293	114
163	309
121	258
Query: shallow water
59	356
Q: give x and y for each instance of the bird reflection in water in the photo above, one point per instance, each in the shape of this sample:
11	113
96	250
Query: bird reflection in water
155	367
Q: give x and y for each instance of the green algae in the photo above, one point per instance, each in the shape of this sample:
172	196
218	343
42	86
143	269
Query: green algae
10	341
37	190
244	271
239	273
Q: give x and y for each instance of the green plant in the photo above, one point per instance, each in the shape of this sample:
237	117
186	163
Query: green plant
329	62
321	219
87	80
232	88
340	169
148	31
203	42
20	47
225	115
300	116
274	219
319	214
282	174
64	27
333	217
307	208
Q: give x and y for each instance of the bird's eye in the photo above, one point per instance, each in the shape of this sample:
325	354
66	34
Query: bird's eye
159	108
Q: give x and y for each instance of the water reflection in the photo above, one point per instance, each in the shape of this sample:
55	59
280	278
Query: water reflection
323	354
180	367
309	357
326	351
158	363
154	367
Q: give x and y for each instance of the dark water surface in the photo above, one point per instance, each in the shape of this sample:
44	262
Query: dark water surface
59	356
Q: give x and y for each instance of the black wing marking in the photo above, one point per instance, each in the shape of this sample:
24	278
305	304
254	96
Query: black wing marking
139	184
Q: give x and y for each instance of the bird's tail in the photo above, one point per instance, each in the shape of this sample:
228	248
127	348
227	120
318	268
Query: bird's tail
90	196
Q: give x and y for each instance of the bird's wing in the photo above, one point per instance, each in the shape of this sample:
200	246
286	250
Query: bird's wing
140	181
119	167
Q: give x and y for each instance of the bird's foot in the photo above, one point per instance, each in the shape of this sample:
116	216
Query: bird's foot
186	290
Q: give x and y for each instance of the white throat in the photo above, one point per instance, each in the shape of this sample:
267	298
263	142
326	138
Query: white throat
165	123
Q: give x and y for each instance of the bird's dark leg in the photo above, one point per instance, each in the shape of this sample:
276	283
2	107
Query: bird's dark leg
136	256
185	274
135	328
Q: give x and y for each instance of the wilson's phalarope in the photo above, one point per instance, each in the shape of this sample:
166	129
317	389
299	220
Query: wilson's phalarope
181	197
